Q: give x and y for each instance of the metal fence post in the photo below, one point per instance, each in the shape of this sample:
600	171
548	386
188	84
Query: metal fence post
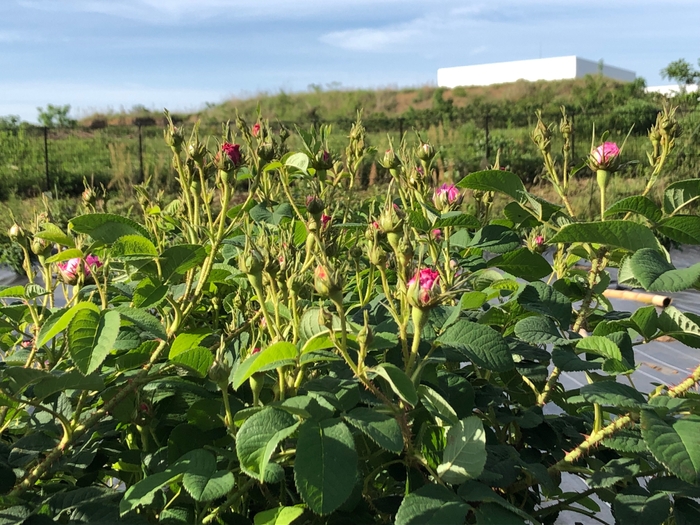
486	130
140	154
46	158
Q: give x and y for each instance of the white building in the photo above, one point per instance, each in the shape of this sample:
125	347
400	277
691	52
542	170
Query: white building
672	90
557	68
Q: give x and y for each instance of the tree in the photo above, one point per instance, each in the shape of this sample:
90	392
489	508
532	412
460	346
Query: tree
682	71
55	116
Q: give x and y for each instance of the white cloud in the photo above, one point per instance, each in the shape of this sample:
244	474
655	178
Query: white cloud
369	39
478	50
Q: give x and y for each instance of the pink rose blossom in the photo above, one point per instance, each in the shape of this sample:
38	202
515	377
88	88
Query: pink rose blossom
437	234
449	190
605	157
539	240
234	152
69	269
427	278
325	221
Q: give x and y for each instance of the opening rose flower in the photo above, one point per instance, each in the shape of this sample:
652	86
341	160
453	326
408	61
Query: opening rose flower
447	197
605	157
233	151
422	288
325	221
255	131
70	269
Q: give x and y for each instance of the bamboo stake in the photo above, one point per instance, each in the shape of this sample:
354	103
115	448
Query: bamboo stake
661	301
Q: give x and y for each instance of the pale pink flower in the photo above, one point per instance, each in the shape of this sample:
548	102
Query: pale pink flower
605	157
69	269
447	197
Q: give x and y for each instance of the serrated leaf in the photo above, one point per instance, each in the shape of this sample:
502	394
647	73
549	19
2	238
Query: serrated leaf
614	471
106	227
20	378
72	380
566	360
65	255
208	487
601	346
680	193
197	359
651	269
482	344
675	443
645	320
496	180
457	219
627	235
432	504
91	336
399	382
278	516
472	300
681	228
325	468
523	263
277	354
636	509
133	246
259	436
496	238
188	340
143	320
626	440
178	259
59	320
51	232
638	204
438	406
493	514
611	393
381	428
465	453
149	293
541	298
539	330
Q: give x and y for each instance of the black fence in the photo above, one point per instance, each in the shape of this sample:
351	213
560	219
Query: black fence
35	159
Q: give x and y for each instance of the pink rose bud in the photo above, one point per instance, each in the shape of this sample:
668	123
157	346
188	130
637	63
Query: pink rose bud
325	221
437	234
233	151
539	240
256	129
605	157
255	350
447	197
421	287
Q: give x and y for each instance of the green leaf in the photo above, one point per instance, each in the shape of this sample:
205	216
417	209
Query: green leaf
636	509
675	443
133	246
465	453
567	361
601	346
143	320
610	393
381	428
20	377
277	354
51	232
106	227
472	300
208	487
438	406
523	263
188	340
432	504
627	235
480	343
686	511
539	330
259	436
457	219
496	238
279	516
91	336
682	326
399	382
638	204
72	380
197	359
614	471
325	468
198	462
59	320
493	514
682	228
71	253
149	293
656	274
680	194
300	161
645	320
496	180
475	491
178	259
15	292
541	298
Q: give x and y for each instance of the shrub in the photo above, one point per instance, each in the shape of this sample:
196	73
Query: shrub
269	346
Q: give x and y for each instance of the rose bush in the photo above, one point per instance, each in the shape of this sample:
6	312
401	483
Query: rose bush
271	348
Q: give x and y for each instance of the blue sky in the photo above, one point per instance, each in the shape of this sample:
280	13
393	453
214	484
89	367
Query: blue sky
98	55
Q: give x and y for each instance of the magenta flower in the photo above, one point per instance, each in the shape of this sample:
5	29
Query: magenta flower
70	269
605	157
422	287
539	240
255	350
234	153
325	221
437	234
447	197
